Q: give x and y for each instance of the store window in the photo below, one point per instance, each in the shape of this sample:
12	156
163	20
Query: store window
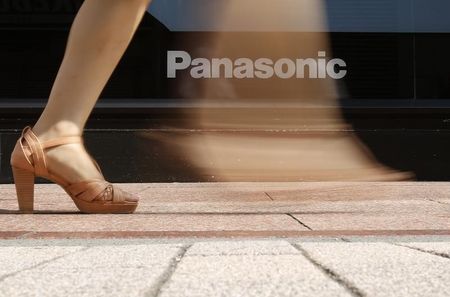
394	50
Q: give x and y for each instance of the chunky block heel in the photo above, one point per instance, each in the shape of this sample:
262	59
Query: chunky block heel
24	181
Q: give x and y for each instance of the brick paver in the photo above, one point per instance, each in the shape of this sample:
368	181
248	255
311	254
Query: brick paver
241	209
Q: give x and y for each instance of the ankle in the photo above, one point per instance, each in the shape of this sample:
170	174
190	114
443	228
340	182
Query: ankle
55	130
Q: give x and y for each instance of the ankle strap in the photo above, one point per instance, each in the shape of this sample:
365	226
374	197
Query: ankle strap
37	154
61	141
52	142
37	147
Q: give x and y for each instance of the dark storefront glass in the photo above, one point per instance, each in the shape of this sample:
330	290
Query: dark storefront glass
395	50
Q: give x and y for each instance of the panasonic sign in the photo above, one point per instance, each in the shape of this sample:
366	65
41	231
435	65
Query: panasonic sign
262	68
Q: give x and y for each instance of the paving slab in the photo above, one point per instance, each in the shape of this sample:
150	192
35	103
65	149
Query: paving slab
440	248
444	201
239	248
370	221
350	191
240	209
148	206
397	239
250	275
14	259
270	267
209	194
381	269
135	270
313	207
140	223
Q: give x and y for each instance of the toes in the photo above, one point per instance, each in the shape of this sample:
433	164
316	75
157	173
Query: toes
131	197
115	194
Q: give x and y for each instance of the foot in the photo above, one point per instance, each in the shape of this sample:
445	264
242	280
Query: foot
64	160
74	164
70	161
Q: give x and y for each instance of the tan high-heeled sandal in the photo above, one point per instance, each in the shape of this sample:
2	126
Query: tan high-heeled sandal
90	196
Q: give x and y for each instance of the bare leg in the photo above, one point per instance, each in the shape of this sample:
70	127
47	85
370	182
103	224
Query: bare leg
98	38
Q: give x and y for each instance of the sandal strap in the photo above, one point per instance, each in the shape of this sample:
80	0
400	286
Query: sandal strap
90	190
60	141
37	152
36	148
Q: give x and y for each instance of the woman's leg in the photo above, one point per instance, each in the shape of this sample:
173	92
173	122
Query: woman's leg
98	38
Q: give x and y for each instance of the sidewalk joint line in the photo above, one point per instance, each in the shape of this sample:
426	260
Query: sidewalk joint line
8	275
300	222
25	235
144	189
352	289
423	250
167	274
436	201
267	194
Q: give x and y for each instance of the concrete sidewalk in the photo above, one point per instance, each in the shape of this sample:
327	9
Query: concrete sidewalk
241	210
297	267
233	239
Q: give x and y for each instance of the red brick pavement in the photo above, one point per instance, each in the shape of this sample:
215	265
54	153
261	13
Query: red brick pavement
241	210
